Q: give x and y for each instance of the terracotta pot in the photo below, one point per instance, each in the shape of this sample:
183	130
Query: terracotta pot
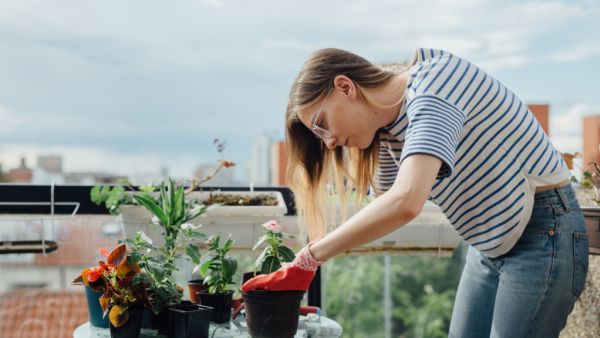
195	286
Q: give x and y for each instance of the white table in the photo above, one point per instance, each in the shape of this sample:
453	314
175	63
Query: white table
311	326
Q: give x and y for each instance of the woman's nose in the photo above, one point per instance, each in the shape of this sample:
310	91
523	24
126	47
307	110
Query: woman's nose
330	142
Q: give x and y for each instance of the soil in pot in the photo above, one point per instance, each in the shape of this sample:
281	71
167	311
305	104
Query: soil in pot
190	321
195	286
233	200
97	317
131	328
221	304
272	314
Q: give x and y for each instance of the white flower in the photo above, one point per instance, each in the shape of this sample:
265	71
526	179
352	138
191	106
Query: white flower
191	226
145	237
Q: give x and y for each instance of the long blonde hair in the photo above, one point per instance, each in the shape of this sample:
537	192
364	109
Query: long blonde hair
314	172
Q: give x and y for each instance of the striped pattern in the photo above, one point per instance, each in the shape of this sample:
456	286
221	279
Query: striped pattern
493	150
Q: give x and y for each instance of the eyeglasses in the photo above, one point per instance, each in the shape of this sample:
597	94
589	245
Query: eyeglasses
319	131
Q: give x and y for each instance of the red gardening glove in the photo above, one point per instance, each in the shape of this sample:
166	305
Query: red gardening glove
296	275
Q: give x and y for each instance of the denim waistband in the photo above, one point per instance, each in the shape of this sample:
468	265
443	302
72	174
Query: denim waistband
564	196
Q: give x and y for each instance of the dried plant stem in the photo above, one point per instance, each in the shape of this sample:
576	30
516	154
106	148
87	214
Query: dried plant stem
197	181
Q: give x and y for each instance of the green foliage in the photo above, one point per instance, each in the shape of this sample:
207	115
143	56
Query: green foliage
171	214
423	291
275	252
113	197
217	266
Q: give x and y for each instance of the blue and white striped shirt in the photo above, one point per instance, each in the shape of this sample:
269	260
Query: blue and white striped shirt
494	152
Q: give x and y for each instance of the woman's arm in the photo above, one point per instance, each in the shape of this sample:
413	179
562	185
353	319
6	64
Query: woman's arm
396	207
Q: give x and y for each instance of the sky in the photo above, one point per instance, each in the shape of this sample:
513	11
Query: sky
129	87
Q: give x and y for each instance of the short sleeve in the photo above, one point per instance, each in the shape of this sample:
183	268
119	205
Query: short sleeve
434	128
386	172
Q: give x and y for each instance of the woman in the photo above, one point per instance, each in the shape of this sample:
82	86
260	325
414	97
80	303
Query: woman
441	130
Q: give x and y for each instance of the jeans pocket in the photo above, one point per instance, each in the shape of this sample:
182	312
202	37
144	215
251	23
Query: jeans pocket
580	261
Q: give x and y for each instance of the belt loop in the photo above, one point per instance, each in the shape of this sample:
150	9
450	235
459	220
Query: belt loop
563	198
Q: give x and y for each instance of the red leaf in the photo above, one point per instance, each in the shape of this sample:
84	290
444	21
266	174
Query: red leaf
117	256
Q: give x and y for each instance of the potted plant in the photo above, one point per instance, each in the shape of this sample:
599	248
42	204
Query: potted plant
121	298
274	252
219	269
195	285
171	215
95	311
134	217
272	313
590	180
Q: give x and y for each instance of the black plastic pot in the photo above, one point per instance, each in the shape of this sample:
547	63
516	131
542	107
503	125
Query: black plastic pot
248	275
165	325
195	286
272	314
190	321
149	319
131	328
221	304
97	317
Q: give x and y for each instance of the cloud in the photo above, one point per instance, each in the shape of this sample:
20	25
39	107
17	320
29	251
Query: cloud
566	127
129	75
214	3
577	53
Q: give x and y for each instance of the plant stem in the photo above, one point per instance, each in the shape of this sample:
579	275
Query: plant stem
196	182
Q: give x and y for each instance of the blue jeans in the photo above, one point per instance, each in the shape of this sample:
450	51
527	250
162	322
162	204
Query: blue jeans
530	290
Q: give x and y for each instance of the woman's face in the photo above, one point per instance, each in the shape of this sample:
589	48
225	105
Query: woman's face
344	115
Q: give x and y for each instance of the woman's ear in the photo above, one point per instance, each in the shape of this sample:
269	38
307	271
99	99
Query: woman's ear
345	86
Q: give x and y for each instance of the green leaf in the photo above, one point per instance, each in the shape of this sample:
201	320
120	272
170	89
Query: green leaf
204	267
195	213
227	245
229	265
172	207
125	181
261	258
150	205
193	252
164	202
179	213
96	195
271	264
287	254
213	206
147	188
260	241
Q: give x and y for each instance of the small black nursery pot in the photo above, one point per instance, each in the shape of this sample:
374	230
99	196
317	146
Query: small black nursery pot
132	327
221	304
191	321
